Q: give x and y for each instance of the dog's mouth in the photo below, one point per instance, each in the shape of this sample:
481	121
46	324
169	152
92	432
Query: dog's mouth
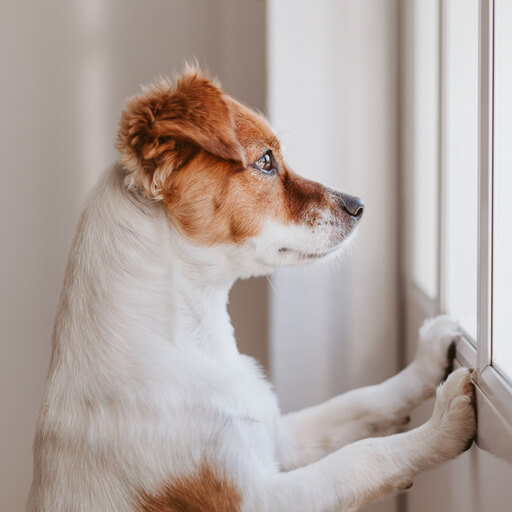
307	255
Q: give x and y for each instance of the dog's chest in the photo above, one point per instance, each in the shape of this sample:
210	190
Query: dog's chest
248	412
227	408
245	394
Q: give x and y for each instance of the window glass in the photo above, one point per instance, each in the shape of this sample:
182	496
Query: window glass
502	218
425	145
460	150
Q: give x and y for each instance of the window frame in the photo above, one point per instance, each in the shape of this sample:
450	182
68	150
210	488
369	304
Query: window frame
493	391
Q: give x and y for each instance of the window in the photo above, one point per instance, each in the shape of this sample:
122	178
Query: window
502	175
425	141
472	222
459	161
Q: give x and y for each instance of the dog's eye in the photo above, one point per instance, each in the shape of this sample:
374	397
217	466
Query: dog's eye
265	163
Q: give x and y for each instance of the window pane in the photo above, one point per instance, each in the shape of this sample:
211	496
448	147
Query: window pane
461	160
425	145
502	235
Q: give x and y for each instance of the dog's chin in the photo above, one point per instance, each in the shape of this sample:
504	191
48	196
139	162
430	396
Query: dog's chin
305	257
275	255
297	257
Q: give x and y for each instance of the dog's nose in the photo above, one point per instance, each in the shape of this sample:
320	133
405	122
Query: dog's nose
352	205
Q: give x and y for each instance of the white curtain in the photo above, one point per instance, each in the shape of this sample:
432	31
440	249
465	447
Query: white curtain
333	99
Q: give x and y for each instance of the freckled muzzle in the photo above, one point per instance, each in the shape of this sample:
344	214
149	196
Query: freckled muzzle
328	218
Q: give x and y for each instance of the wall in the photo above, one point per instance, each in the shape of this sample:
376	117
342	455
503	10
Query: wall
66	68
333	99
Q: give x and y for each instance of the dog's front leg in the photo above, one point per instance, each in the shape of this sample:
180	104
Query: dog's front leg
308	435
370	468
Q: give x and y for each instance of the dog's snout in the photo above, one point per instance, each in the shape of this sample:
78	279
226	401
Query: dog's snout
352	205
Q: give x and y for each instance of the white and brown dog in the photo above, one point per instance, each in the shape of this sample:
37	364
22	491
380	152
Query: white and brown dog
149	405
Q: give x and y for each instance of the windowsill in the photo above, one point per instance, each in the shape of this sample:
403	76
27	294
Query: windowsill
494	404
493	392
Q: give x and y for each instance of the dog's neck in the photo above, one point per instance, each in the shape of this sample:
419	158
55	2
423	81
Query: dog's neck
198	295
132	280
201	281
202	319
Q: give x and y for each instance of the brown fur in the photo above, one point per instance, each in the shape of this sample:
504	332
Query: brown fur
194	111
193	147
202	492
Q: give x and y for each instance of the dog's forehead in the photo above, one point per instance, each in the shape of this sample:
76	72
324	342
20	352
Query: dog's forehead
253	131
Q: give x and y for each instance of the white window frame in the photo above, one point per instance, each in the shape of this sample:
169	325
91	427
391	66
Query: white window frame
493	391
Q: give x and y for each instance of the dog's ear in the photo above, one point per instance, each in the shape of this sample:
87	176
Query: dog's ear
164	126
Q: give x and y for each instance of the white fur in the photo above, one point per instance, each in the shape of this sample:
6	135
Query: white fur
146	381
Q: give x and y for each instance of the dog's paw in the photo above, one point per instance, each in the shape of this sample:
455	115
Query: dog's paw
436	348
453	421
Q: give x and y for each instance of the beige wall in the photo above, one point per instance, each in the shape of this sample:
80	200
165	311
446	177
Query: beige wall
66	68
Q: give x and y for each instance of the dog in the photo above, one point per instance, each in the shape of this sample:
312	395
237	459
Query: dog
149	406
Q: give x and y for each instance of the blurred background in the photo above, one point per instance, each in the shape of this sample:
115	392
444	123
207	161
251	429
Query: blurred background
339	81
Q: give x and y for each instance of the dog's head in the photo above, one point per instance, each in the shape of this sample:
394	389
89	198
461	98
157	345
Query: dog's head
218	170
